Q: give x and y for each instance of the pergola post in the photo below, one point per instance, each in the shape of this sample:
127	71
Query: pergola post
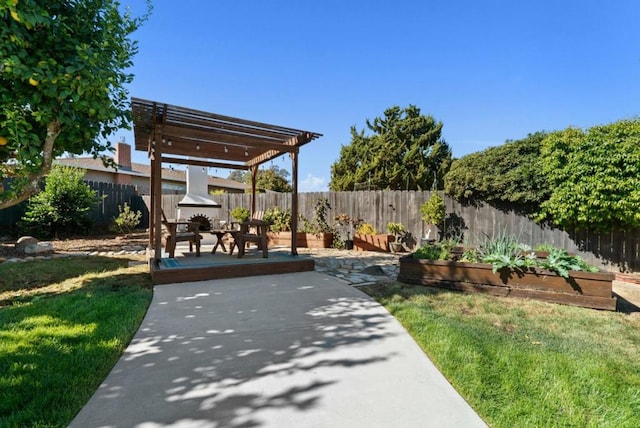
294	202
156	198
254	178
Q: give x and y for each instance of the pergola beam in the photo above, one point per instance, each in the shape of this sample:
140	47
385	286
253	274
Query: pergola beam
206	164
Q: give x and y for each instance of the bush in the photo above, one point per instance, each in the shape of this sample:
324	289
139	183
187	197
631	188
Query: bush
126	221
63	207
434	210
366	229
240	214
278	220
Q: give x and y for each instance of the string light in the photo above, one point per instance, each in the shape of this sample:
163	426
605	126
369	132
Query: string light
226	150
246	151
197	146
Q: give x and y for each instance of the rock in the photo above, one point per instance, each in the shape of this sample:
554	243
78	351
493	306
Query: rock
373	270
39	247
24	242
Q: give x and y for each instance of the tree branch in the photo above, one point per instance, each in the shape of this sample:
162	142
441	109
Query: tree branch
53	131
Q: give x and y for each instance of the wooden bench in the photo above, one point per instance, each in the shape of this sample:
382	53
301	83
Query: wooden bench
174	235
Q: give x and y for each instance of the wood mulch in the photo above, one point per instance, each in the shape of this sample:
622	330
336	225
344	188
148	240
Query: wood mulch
103	242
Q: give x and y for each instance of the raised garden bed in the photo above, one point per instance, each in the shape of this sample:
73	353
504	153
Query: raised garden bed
379	242
593	290
303	240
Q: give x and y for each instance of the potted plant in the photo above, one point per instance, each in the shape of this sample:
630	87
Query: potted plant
433	213
397	230
346	223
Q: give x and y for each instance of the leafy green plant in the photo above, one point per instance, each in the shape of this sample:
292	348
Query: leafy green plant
433	252
434	210
63	207
278	220
318	224
240	214
366	229
561	262
395	229
126	221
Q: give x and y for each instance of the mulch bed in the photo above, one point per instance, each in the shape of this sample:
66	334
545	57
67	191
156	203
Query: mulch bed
104	242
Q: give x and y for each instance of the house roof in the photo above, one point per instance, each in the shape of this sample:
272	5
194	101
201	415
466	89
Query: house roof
142	170
187	133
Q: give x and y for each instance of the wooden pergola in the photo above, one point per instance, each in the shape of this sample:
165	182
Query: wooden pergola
179	135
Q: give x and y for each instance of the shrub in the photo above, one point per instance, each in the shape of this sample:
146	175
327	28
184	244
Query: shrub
126	221
64	206
240	214
395	228
433	252
278	220
366	229
434	210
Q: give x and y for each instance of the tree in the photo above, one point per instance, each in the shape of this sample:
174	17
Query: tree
272	178
507	176
404	151
62	84
64	206
595	177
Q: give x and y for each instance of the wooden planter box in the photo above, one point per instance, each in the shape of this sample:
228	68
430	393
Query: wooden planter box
308	240
592	290
378	242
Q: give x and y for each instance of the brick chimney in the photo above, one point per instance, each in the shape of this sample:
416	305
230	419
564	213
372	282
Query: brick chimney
122	158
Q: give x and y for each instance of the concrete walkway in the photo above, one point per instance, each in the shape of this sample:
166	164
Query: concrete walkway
295	350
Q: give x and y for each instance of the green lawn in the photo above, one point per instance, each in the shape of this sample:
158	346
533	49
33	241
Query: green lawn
525	363
63	326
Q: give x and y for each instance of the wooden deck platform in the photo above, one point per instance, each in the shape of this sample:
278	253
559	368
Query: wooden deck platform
186	267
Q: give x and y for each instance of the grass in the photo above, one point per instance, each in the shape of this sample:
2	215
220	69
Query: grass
525	363
63	325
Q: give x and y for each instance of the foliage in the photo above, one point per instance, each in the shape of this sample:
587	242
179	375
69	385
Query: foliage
404	151
346	223
127	220
272	178
595	177
278	220
63	84
507	176
395	229
67	323
434	210
505	252
561	262
525	363
318	224
64	206
433	252
240	214
366	229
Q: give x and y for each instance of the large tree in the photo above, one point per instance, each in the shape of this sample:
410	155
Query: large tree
507	176
272	178
595	176
405	150
63	76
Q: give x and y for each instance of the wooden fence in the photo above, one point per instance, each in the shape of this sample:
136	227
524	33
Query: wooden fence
111	196
615	251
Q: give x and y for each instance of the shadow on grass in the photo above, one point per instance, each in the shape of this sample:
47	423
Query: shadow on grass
20	281
56	348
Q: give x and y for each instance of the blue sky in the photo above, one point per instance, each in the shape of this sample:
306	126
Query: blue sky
490	70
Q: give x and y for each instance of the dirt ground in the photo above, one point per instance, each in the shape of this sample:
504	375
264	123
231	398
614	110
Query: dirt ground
107	242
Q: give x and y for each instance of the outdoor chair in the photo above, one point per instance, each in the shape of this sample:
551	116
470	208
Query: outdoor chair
251	231
174	235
